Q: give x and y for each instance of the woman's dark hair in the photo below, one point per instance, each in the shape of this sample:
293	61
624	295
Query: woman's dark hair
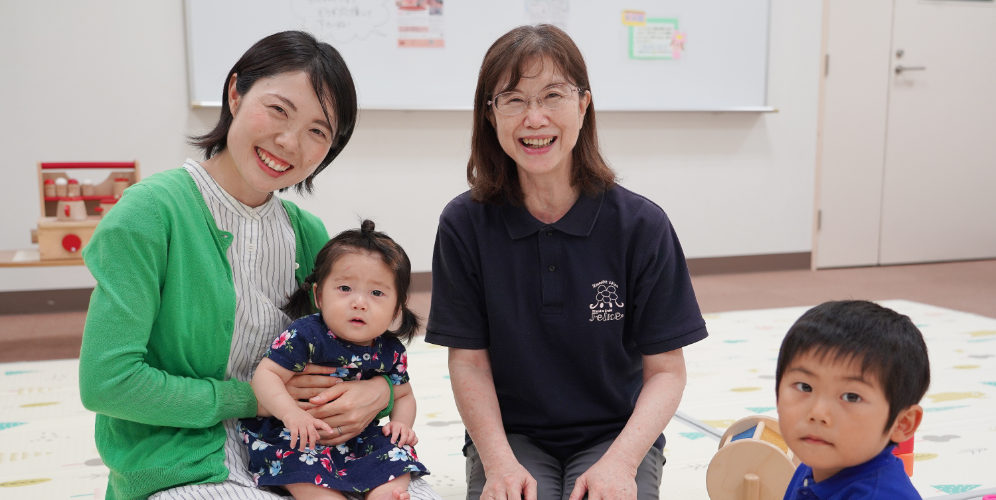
887	344
286	52
491	173
362	240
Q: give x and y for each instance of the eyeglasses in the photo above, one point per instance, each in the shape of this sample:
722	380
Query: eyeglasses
552	97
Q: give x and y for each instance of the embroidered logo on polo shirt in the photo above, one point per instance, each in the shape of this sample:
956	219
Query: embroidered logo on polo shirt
606	302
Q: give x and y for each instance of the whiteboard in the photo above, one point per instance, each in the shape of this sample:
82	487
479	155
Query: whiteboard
723	66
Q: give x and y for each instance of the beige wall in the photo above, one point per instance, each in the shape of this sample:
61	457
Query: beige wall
106	81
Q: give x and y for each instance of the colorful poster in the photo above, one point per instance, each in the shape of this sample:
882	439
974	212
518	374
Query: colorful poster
634	18
653	38
553	12
420	24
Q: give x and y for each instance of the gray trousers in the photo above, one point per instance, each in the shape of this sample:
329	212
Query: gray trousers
555	480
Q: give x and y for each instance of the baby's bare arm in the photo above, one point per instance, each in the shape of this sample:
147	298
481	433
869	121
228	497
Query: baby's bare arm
269	385
402	417
404	405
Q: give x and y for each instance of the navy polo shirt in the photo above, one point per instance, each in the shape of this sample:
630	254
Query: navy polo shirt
566	310
882	477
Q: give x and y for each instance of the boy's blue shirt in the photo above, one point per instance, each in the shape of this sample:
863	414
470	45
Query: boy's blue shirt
881	477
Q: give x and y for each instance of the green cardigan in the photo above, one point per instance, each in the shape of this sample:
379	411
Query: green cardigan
158	335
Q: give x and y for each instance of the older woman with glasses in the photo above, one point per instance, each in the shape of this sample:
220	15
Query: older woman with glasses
563	297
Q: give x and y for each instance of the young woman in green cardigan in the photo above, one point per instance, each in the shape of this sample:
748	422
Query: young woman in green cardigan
192	267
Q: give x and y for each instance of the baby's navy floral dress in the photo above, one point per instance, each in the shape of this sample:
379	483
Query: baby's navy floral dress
364	462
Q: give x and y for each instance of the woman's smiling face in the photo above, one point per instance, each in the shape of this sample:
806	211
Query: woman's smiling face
541	140
278	137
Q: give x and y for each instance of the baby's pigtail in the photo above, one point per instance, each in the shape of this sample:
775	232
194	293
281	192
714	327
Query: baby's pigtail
409	326
299	303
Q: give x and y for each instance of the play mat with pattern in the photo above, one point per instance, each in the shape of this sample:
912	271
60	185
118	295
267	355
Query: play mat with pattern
47	449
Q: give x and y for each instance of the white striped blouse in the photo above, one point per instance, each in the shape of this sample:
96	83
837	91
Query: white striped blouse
262	256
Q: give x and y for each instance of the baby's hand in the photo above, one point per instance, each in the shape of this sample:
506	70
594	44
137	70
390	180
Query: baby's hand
304	427
400	434
400	494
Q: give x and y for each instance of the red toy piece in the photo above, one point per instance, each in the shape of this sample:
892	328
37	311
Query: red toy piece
904	451
904	447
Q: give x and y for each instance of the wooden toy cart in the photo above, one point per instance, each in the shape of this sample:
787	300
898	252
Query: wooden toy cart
59	236
753	462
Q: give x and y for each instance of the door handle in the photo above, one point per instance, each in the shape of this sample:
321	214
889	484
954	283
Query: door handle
900	68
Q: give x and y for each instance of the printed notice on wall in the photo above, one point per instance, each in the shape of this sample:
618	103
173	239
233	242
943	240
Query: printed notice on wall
420	23
343	20
553	12
653	38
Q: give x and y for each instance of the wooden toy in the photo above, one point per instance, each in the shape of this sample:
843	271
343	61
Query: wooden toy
69	212
71	208
753	462
904	451
904	447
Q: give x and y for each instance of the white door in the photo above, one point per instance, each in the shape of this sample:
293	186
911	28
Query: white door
852	131
939	197
907	167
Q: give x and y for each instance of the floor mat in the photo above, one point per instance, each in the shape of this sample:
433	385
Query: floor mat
47	449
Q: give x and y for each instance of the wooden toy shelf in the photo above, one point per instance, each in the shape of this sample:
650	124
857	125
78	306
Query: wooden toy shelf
70	210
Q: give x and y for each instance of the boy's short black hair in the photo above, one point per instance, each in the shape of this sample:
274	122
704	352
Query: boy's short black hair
888	345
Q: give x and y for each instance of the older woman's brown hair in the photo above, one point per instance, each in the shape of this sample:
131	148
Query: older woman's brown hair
492	174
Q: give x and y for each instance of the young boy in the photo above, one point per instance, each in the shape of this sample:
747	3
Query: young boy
849	377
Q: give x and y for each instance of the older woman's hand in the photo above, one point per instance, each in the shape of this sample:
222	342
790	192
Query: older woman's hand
349	407
606	480
310	383
509	481
614	475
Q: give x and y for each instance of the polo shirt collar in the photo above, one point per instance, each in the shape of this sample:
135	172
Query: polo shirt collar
578	221
840	480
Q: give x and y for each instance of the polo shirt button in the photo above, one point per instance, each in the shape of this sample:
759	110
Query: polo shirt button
251	247
366	356
549	233
552	268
